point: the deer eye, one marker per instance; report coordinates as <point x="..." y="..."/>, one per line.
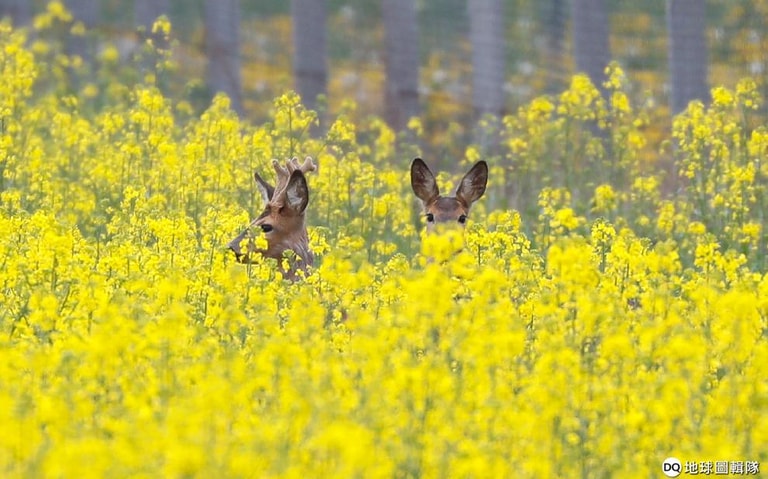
<point x="266" y="228"/>
<point x="430" y="217"/>
<point x="463" y="219"/>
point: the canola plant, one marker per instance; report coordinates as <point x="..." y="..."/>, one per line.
<point x="594" y="330"/>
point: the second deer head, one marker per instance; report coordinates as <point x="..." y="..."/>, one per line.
<point x="282" y="221"/>
<point x="447" y="209"/>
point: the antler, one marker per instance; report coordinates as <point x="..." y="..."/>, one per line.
<point x="284" y="174"/>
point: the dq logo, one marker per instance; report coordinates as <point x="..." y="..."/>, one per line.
<point x="671" y="467"/>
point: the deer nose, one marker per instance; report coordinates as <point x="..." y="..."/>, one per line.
<point x="236" y="250"/>
<point x="234" y="245"/>
<point x="240" y="257"/>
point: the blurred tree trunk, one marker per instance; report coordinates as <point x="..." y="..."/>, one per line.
<point x="554" y="14"/>
<point x="145" y="14"/>
<point x="19" y="11"/>
<point x="486" y="34"/>
<point x="686" y="26"/>
<point x="87" y="13"/>
<point x="401" y="35"/>
<point x="222" y="45"/>
<point x="310" y="67"/>
<point x="591" y="48"/>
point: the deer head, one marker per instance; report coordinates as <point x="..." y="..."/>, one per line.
<point x="282" y="221"/>
<point x="447" y="209"/>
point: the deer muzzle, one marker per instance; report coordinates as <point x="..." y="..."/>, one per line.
<point x="234" y="245"/>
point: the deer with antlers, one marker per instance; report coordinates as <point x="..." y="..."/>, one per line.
<point x="447" y="209"/>
<point x="282" y="221"/>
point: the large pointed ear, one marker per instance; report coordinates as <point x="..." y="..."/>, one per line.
<point x="265" y="188"/>
<point x="297" y="193"/>
<point x="423" y="182"/>
<point x="472" y="186"/>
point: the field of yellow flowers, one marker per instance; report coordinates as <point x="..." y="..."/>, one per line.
<point x="590" y="326"/>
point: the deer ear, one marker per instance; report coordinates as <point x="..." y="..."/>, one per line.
<point x="472" y="186"/>
<point x="297" y="193"/>
<point x="265" y="188"/>
<point x="423" y="182"/>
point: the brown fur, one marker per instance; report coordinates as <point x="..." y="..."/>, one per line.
<point x="282" y="221"/>
<point x="447" y="209"/>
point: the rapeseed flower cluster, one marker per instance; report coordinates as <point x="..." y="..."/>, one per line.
<point x="567" y="345"/>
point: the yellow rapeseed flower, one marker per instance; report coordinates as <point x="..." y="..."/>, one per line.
<point x="134" y="344"/>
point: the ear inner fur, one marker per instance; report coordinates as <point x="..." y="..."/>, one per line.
<point x="266" y="190"/>
<point x="472" y="185"/>
<point x="297" y="193"/>
<point x="423" y="182"/>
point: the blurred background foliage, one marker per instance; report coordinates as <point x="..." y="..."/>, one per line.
<point x="537" y="42"/>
